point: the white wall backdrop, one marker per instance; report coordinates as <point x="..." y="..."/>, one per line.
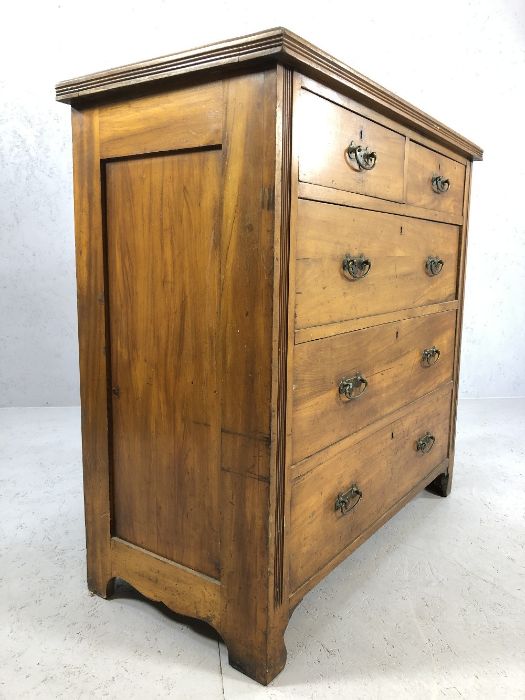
<point x="461" y="61"/>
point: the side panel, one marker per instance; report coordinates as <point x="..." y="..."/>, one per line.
<point x="163" y="273"/>
<point x="184" y="288"/>
<point x="148" y="270"/>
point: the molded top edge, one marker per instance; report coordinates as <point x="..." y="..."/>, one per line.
<point x="278" y="45"/>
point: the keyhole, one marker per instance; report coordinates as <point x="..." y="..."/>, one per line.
<point x="361" y="134"/>
<point x="392" y="436"/>
<point x="397" y="335"/>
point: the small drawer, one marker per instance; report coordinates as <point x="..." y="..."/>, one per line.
<point x="348" y="381"/>
<point x="335" y="502"/>
<point x="397" y="249"/>
<point x="332" y="150"/>
<point x="434" y="181"/>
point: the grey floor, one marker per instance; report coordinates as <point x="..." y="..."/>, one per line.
<point x="432" y="606"/>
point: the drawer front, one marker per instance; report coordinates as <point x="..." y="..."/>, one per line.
<point x="390" y="358"/>
<point x="384" y="467"/>
<point x="326" y="130"/>
<point x="398" y="249"/>
<point x="423" y="166"/>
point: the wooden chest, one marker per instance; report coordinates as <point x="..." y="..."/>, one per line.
<point x="270" y="263"/>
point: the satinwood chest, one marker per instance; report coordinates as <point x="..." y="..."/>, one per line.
<point x="270" y="264"/>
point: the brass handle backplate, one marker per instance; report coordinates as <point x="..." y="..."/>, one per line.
<point x="352" y="387"/>
<point x="434" y="265"/>
<point x="430" y="356"/>
<point x="425" y="443"/>
<point x="363" y="156"/>
<point x="355" y="267"/>
<point x="440" y="184"/>
<point x="343" y="500"/>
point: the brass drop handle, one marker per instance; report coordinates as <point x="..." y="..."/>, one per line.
<point x="343" y="500"/>
<point x="364" y="157"/>
<point x="430" y="356"/>
<point x="352" y="387"/>
<point x="425" y="443"/>
<point x="440" y="184"/>
<point x="434" y="265"/>
<point x="355" y="267"/>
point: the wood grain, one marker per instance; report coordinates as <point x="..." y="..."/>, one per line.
<point x="248" y="625"/>
<point x="178" y="587"/>
<point x="185" y="118"/>
<point x="163" y="253"/>
<point x="385" y="467"/>
<point x="388" y="356"/>
<point x="397" y="247"/>
<point x="423" y="163"/>
<point x="325" y="130"/>
<point x="91" y="298"/>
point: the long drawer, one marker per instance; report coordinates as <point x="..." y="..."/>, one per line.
<point x="393" y="368"/>
<point x="334" y="503"/>
<point x="397" y="249"/>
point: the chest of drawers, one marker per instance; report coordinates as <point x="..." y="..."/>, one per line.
<point x="270" y="266"/>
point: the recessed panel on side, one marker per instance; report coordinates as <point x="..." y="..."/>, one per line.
<point x="163" y="278"/>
